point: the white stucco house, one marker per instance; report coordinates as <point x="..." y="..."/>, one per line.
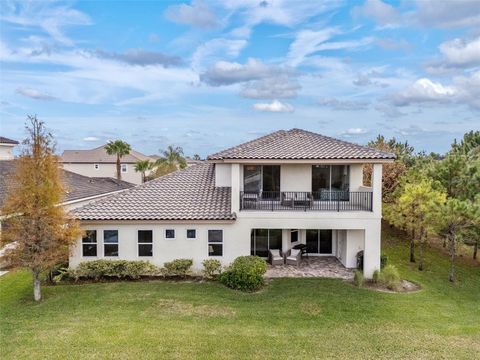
<point x="97" y="163"/>
<point x="284" y="189"/>
<point x="6" y="148"/>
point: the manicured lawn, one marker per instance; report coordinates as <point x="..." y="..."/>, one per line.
<point x="291" y="318"/>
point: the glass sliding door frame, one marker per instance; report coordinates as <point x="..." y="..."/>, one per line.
<point x="319" y="241"/>
<point x="329" y="190"/>
<point x="262" y="240"/>
<point x="262" y="179"/>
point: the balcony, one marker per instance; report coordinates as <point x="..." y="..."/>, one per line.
<point x="306" y="201"/>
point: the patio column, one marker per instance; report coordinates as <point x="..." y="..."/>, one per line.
<point x="285" y="240"/>
<point x="377" y="189"/>
<point x="235" y="188"/>
<point x="371" y="254"/>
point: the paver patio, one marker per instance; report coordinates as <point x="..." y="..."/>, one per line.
<point x="318" y="266"/>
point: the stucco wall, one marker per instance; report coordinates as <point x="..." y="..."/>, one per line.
<point x="105" y="170"/>
<point x="223" y="175"/>
<point x="296" y="177"/>
<point x="6" y="152"/>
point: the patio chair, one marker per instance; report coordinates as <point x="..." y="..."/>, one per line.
<point x="275" y="257"/>
<point x="293" y="257"/>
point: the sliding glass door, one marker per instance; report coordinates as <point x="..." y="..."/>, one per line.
<point x="263" y="240"/>
<point x="319" y="242"/>
<point x="330" y="182"/>
<point x="262" y="179"/>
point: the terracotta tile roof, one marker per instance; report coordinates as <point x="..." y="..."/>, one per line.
<point x="188" y="194"/>
<point x="4" y="140"/>
<point x="297" y="144"/>
<point x="78" y="186"/>
<point x="99" y="155"/>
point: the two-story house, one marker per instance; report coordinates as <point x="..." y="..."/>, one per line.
<point x="97" y="163"/>
<point x="287" y="188"/>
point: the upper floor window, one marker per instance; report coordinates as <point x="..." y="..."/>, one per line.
<point x="89" y="243"/>
<point x="261" y="178"/>
<point x="145" y="243"/>
<point x="124" y="168"/>
<point x="96" y="166"/>
<point x="110" y="242"/>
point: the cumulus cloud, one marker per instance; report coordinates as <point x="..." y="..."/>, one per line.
<point x="424" y="91"/>
<point x="448" y="14"/>
<point x="274" y="106"/>
<point x="342" y="105"/>
<point x="34" y="94"/>
<point x="141" y="57"/>
<point x="227" y="73"/>
<point x="383" y="14"/>
<point x="461" y="52"/>
<point x="275" y="87"/>
<point x="198" y="15"/>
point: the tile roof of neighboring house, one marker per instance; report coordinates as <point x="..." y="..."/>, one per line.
<point x="78" y="186"/>
<point x="99" y="155"/>
<point x="4" y="140"/>
<point x="188" y="194"/>
<point x="297" y="144"/>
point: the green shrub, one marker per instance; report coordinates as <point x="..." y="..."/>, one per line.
<point x="178" y="268"/>
<point x="211" y="268"/>
<point x="376" y="277"/>
<point x="358" y="278"/>
<point x="245" y="273"/>
<point x="383" y="261"/>
<point x="121" y="269"/>
<point x="390" y="277"/>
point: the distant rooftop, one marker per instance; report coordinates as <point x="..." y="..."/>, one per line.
<point x="297" y="144"/>
<point x="99" y="155"/>
<point x="4" y="140"/>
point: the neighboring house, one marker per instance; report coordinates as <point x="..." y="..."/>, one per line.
<point x="97" y="163"/>
<point x="6" y="148"/>
<point x="80" y="190"/>
<point x="284" y="189"/>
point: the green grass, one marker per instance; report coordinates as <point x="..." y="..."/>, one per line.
<point x="291" y="318"/>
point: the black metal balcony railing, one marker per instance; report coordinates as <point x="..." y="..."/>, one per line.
<point x="306" y="201"/>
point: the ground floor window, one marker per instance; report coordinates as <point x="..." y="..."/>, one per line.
<point x="110" y="242"/>
<point x="145" y="243"/>
<point x="215" y="242"/>
<point x="89" y="243"/>
<point x="319" y="241"/>
<point x="263" y="240"/>
<point x="170" y="234"/>
<point x="191" y="234"/>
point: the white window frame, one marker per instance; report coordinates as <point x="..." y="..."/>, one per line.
<point x="174" y="234"/>
<point x="145" y="243"/>
<point x="186" y="234"/>
<point x="216" y="243"/>
<point x="91" y="243"/>
<point x="96" y="166"/>
<point x="109" y="243"/>
<point x="124" y="168"/>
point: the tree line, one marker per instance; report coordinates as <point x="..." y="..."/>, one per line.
<point x="432" y="196"/>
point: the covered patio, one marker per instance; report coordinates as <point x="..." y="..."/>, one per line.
<point x="313" y="266"/>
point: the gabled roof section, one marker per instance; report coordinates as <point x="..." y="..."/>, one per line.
<point x="77" y="186"/>
<point x="99" y="155"/>
<point x="4" y="140"/>
<point x="188" y="194"/>
<point x="297" y="144"/>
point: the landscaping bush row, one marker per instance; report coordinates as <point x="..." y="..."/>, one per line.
<point x="388" y="277"/>
<point x="245" y="273"/>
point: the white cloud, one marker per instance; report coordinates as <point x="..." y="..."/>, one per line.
<point x="306" y="42"/>
<point x="141" y="57"/>
<point x="448" y="14"/>
<point x="198" y="15"/>
<point x="342" y="105"/>
<point x="91" y="138"/>
<point x="384" y="14"/>
<point x="275" y="87"/>
<point x="215" y="50"/>
<point x="461" y="52"/>
<point x="274" y="106"/>
<point x="50" y="17"/>
<point x="355" y="131"/>
<point x="424" y="91"/>
<point x="34" y="94"/>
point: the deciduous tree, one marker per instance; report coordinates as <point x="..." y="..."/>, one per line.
<point x="39" y="230"/>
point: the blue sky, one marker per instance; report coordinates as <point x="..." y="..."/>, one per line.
<point x="206" y="75"/>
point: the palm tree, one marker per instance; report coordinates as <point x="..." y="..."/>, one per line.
<point x="143" y="166"/>
<point x="119" y="148"/>
<point x="173" y="157"/>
